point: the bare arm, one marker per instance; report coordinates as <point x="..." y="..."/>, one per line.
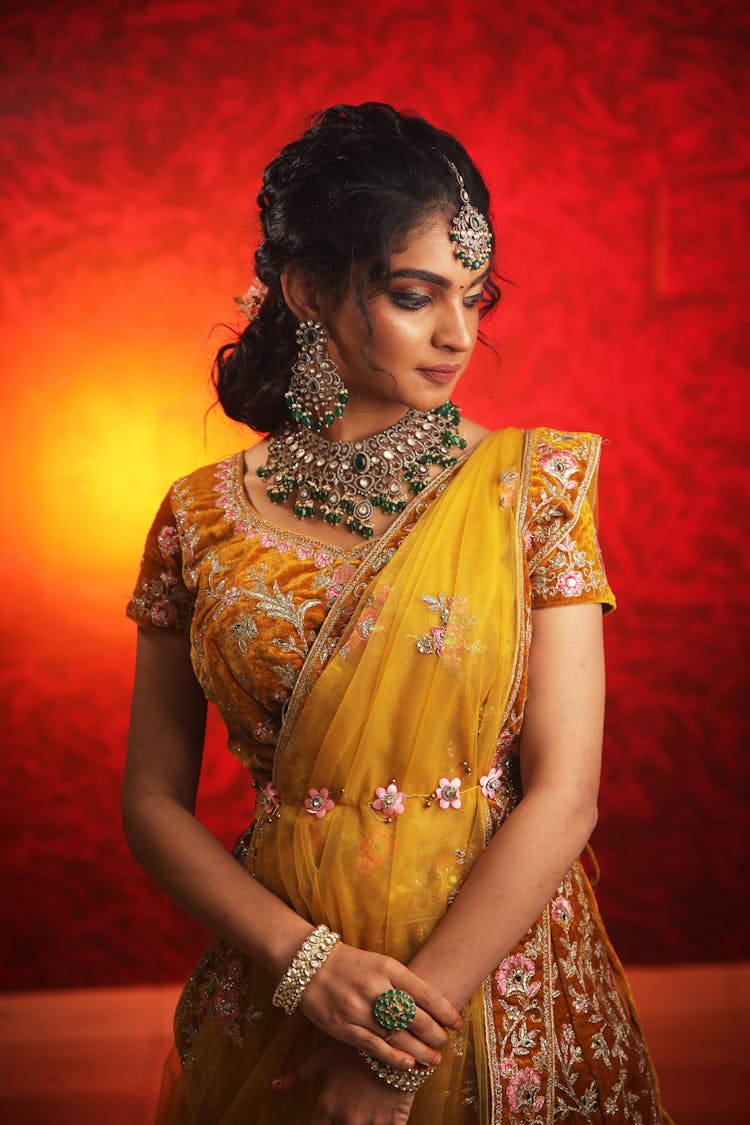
<point x="560" y="762"/>
<point x="161" y="779"/>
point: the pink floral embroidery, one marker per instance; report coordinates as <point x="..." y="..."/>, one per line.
<point x="367" y="622"/>
<point x="448" y="793"/>
<point x="318" y="802"/>
<point x="389" y="799"/>
<point x="449" y="639"/>
<point x="570" y="583"/>
<point x="270" y="798"/>
<point x="223" y="1002"/>
<point x="337" y="581"/>
<point x="559" y="463"/>
<point x="169" y="541"/>
<point x="491" y="782"/>
<point x="508" y="490"/>
<point x="266" y="731"/>
<point x="562" y="912"/>
<point x="437" y="633"/>
<point x="507" y="742"/>
<point x="523" y="1090"/>
<point x="322" y="558"/>
<point x="163" y="613"/>
<point x="514" y="975"/>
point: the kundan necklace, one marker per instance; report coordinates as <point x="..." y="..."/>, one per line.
<point x="349" y="479"/>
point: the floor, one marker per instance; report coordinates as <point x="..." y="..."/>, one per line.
<point x="94" y="1057"/>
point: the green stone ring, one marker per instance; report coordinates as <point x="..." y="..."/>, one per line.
<point x="395" y="1010"/>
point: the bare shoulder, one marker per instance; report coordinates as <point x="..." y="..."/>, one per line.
<point x="473" y="432"/>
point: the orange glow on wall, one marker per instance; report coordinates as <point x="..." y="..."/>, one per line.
<point x="132" y="141"/>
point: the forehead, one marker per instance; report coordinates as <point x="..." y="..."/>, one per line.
<point x="428" y="248"/>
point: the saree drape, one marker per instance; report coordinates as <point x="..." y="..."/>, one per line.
<point x="407" y="682"/>
<point x="415" y="679"/>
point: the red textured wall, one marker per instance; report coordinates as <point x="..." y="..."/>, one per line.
<point x="132" y="137"/>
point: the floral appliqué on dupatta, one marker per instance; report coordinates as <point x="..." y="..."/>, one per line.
<point x="366" y="623"/>
<point x="449" y="638"/>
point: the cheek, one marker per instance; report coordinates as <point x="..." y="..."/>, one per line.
<point x="397" y="335"/>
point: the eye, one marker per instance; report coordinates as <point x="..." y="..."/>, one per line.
<point x="473" y="299"/>
<point x="409" y="298"/>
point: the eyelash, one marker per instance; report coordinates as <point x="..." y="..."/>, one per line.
<point x="405" y="299"/>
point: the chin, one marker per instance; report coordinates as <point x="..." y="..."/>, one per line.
<point x="432" y="395"/>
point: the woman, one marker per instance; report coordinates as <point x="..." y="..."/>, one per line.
<point x="405" y="933"/>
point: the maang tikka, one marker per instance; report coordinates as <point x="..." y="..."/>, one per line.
<point x="316" y="395"/>
<point x="470" y="232"/>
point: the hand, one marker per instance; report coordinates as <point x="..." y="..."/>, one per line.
<point x="339" y="1001"/>
<point x="351" y="1093"/>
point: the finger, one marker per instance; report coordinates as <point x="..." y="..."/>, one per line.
<point x="423" y="1027"/>
<point x="376" y="1046"/>
<point x="428" y="998"/>
<point x="296" y="1076"/>
<point x="408" y="1043"/>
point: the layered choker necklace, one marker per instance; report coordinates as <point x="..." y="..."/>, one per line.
<point x="348" y="480"/>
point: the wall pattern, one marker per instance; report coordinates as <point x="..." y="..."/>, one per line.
<point x="132" y="137"/>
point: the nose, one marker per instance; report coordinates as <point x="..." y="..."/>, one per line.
<point x="455" y="329"/>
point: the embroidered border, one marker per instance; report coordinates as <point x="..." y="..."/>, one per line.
<point x="323" y="646"/>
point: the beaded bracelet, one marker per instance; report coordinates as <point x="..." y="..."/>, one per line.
<point x="396" y="1076"/>
<point x="310" y="956"/>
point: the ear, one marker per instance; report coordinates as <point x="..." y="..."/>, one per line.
<point x="300" y="294"/>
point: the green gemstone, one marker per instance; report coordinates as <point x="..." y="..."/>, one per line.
<point x="338" y="411"/>
<point x="360" y="461"/>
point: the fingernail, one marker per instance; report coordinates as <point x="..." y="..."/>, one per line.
<point x="407" y="1064"/>
<point x="458" y="1025"/>
<point x="436" y="1060"/>
<point x="275" y="1083"/>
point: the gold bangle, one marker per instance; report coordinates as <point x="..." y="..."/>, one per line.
<point x="396" y="1076"/>
<point x="305" y="964"/>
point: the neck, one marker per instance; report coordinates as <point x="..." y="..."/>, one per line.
<point x="362" y="421"/>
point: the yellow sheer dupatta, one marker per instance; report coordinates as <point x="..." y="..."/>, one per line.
<point x="414" y="692"/>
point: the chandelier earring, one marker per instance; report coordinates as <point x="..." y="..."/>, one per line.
<point x="316" y="395"/>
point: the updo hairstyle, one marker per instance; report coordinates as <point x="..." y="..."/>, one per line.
<point x="346" y="194"/>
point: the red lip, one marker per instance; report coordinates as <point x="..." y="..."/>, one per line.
<point x="443" y="373"/>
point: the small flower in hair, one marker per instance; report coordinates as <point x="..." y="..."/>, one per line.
<point x="249" y="303"/>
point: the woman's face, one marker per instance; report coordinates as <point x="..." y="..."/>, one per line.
<point x="424" y="328"/>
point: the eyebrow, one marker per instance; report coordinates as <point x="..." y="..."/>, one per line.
<point x="436" y="278"/>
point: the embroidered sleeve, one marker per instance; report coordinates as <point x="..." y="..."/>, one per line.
<point x="161" y="600"/>
<point x="562" y="546"/>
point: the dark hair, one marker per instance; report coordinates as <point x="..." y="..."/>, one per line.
<point x="343" y="195"/>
